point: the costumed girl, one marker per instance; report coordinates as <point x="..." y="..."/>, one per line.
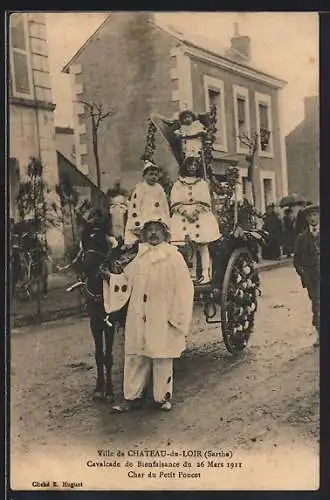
<point x="190" y="132"/>
<point x="192" y="218"/>
<point x="148" y="201"/>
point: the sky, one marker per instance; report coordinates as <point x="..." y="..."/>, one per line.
<point x="283" y="44"/>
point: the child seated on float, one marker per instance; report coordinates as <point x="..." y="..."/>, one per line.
<point x="190" y="132"/>
<point x="148" y="201"/>
<point x="192" y="218"/>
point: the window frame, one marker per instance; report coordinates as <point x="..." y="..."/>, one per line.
<point x="267" y="174"/>
<point x="212" y="83"/>
<point x="27" y="54"/>
<point x="243" y="173"/>
<point x="239" y="91"/>
<point x="265" y="99"/>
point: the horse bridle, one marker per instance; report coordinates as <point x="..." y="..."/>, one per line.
<point x="94" y="296"/>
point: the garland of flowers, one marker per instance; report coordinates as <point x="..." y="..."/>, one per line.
<point x="208" y="141"/>
<point x="149" y="153"/>
<point x="150" y="145"/>
<point x="242" y="294"/>
<point x="226" y="212"/>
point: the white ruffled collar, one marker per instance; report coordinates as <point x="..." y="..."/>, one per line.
<point x="189" y="180"/>
<point x="155" y="252"/>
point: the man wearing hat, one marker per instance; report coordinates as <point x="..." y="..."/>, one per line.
<point x="301" y="222"/>
<point x="307" y="260"/>
<point x="158" y="316"/>
<point x="148" y="200"/>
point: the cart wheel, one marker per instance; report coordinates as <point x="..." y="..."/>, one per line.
<point x="239" y="300"/>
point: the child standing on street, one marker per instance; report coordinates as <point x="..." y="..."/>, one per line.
<point x="306" y="261"/>
<point x="148" y="201"/>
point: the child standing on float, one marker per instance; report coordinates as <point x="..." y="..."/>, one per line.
<point x="191" y="133"/>
<point x="192" y="217"/>
<point x="148" y="201"/>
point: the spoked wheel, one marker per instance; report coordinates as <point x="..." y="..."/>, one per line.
<point x="239" y="300"/>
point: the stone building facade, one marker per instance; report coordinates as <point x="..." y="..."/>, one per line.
<point x="31" y="107"/>
<point x="303" y="150"/>
<point x="136" y="65"/>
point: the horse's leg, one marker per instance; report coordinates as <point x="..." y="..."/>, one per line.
<point x="96" y="324"/>
<point x="109" y="334"/>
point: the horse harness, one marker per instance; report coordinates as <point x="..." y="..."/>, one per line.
<point x="85" y="290"/>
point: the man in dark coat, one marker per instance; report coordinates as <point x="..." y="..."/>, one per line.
<point x="273" y="225"/>
<point x="307" y="261"/>
<point x="288" y="232"/>
<point x="301" y="221"/>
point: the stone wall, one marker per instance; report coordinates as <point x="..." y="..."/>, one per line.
<point x="126" y="66"/>
<point x="31" y="119"/>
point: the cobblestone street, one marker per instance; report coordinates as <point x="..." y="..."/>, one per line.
<point x="263" y="405"/>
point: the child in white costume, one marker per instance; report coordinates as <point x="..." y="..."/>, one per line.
<point x="148" y="201"/>
<point x="192" y="217"/>
<point x="190" y="132"/>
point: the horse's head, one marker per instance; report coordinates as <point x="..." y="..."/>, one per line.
<point x="118" y="214"/>
<point x="96" y="245"/>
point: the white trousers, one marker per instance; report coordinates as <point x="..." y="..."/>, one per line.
<point x="136" y="374"/>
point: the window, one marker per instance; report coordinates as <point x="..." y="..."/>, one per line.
<point x="264" y="124"/>
<point x="267" y="184"/>
<point x="215" y="96"/>
<point x="242" y="118"/>
<point x="268" y="190"/>
<point x="242" y="186"/>
<point x="21" y="72"/>
<point x="245" y="186"/>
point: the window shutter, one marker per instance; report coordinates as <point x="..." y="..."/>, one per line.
<point x="215" y="100"/>
<point x="241" y="110"/>
<point x="20" y="63"/>
<point x="263" y="116"/>
<point x="18" y="40"/>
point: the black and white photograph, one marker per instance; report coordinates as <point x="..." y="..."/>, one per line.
<point x="163" y="253"/>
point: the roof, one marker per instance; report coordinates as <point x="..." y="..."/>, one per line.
<point x="77" y="171"/>
<point x="213" y="47"/>
<point x="204" y="44"/>
<point x="65" y="69"/>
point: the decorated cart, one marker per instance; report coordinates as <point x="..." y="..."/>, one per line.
<point x="230" y="298"/>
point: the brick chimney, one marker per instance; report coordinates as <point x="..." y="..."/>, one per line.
<point x="241" y="43"/>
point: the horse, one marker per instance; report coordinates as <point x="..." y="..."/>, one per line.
<point x="94" y="262"/>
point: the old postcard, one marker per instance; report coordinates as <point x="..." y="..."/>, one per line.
<point x="164" y="223"/>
